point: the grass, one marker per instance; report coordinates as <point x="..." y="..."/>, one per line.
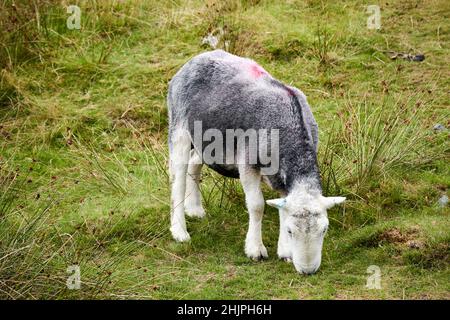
<point x="83" y="157"/>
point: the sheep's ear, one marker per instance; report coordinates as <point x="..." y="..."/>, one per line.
<point x="332" y="201"/>
<point x="277" y="203"/>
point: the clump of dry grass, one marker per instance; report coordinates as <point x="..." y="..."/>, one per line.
<point x="23" y="37"/>
<point x="22" y="264"/>
<point x="24" y="25"/>
<point x="322" y="47"/>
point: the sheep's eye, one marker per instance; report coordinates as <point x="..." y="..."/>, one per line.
<point x="289" y="232"/>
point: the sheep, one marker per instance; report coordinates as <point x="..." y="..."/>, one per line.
<point x="219" y="91"/>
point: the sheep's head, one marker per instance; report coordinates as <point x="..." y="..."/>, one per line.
<point x="304" y="223"/>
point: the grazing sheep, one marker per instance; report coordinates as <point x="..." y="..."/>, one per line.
<point x="217" y="91"/>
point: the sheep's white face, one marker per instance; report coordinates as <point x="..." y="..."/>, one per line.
<point x="303" y="224"/>
<point x="306" y="231"/>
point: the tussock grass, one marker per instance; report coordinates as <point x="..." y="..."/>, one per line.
<point x="377" y="137"/>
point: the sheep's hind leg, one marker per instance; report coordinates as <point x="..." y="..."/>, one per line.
<point x="193" y="200"/>
<point x="179" y="159"/>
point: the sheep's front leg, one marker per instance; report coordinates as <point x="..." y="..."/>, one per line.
<point x="284" y="251"/>
<point x="251" y="182"/>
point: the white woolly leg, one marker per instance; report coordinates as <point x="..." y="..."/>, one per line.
<point x="251" y="182"/>
<point x="179" y="158"/>
<point x="193" y="200"/>
<point x="284" y="250"/>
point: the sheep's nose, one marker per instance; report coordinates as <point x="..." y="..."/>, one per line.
<point x="308" y="270"/>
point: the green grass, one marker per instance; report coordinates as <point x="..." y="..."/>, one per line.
<point x="83" y="157"/>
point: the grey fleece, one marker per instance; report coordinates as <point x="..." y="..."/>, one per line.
<point x="225" y="91"/>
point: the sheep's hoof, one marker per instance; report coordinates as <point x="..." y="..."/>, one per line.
<point x="286" y="259"/>
<point x="259" y="258"/>
<point x="180" y="235"/>
<point x="256" y="253"/>
<point x="196" y="212"/>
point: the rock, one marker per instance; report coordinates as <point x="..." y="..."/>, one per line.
<point x="438" y="127"/>
<point x="414" y="244"/>
<point x="406" y="56"/>
<point x="211" y="40"/>
<point x="418" y="57"/>
<point x="443" y="201"/>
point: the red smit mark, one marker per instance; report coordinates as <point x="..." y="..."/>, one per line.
<point x="257" y="71"/>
